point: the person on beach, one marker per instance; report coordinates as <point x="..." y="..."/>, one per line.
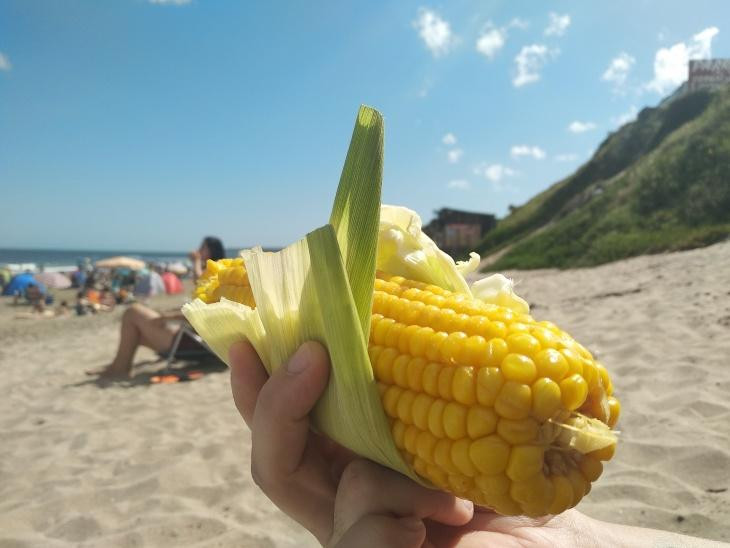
<point x="346" y="501"/>
<point x="143" y="326"/>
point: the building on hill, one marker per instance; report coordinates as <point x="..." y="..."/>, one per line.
<point x="458" y="232"/>
<point x="708" y="74"/>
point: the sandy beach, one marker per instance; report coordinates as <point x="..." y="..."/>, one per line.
<point x="138" y="464"/>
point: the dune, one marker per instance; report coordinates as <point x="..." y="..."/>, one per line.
<point x="168" y="465"/>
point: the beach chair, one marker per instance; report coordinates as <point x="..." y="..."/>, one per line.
<point x="200" y="352"/>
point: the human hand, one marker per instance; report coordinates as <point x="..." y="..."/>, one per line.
<point x="194" y="255"/>
<point x="342" y="500"/>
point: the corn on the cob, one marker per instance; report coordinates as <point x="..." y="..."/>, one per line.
<point x="484" y="402"/>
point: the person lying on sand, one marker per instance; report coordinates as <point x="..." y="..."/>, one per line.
<point x="142" y="326"/>
<point x="346" y="501"/>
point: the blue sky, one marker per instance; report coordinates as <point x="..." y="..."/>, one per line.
<point x="133" y="124"/>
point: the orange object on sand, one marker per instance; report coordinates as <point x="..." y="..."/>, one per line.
<point x="176" y="377"/>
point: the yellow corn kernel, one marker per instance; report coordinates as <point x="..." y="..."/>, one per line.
<point x="433" y="350"/>
<point x="398" y="429"/>
<point x="519" y="431"/>
<point x="405" y="402"/>
<point x="497" y="484"/>
<point x="446" y="376"/>
<point x="546" y="398"/>
<point x="460" y="456"/>
<point x="575" y="363"/>
<point x="414" y="374"/>
<point x="419" y="341"/>
<point x="420" y="409"/>
<point x="604" y="454"/>
<point x="523" y="343"/>
<point x="425" y="443"/>
<point x="563" y="498"/>
<point x="464" y="385"/>
<point x="490" y="454"/>
<point x="480" y="421"/>
<point x="475" y="351"/>
<point x="390" y="400"/>
<point x="399" y="370"/>
<point x="489" y="383"/>
<point x="431" y="378"/>
<point x="409" y="439"/>
<point x="614" y="407"/>
<point x="591" y="468"/>
<point x="514" y="401"/>
<point x="454" y="417"/>
<point x="525" y="461"/>
<point x="435" y="418"/>
<point x="574" y="391"/>
<point x="552" y="364"/>
<point x="442" y="456"/>
<point x="518" y="368"/>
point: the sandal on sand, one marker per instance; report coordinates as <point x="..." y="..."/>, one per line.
<point x="176" y="377"/>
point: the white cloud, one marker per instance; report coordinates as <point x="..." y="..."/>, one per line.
<point x="670" y="64"/>
<point x="570" y="157"/>
<point x="558" y="24"/>
<point x="434" y="31"/>
<point x="626" y="117"/>
<point x="5" y="62"/>
<point x="581" y="127"/>
<point x="449" y="139"/>
<point x="170" y="2"/>
<point x="459" y="184"/>
<point x="519" y="151"/>
<point x="491" y="41"/>
<point x="494" y="172"/>
<point x="618" y="70"/>
<point x="529" y="61"/>
<point x="455" y="155"/>
<point x="519" y="23"/>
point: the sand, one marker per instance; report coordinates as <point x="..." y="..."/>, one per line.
<point x="152" y="465"/>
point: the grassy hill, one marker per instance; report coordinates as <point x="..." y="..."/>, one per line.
<point x="659" y="183"/>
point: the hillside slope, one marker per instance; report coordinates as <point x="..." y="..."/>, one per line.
<point x="659" y="183"/>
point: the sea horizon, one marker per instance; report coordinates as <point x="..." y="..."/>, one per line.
<point x="71" y="257"/>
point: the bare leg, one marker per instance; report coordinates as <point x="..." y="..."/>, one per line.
<point x="140" y="326"/>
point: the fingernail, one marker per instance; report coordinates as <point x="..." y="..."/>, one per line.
<point x="412" y="524"/>
<point x="299" y="361"/>
<point x="469" y="505"/>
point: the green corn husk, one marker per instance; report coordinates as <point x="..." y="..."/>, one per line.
<point x="320" y="288"/>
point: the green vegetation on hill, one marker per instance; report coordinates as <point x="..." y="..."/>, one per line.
<point x="659" y="183"/>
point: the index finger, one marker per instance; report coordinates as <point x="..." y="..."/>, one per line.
<point x="248" y="376"/>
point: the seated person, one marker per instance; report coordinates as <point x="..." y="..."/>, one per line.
<point x="143" y="326"/>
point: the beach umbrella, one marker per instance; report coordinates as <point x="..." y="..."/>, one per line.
<point x="55" y="280"/>
<point x="177" y="268"/>
<point x="120" y="262"/>
<point x="20" y="283"/>
<point x="173" y="285"/>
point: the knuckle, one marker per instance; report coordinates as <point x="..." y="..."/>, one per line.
<point x="261" y="478"/>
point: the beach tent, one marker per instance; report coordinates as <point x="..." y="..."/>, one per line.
<point x="20" y="283"/>
<point x="149" y="283"/>
<point x="55" y="280"/>
<point x="173" y="285"/>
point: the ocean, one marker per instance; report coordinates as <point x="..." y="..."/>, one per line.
<point x="52" y="258"/>
<point x="71" y="257"/>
